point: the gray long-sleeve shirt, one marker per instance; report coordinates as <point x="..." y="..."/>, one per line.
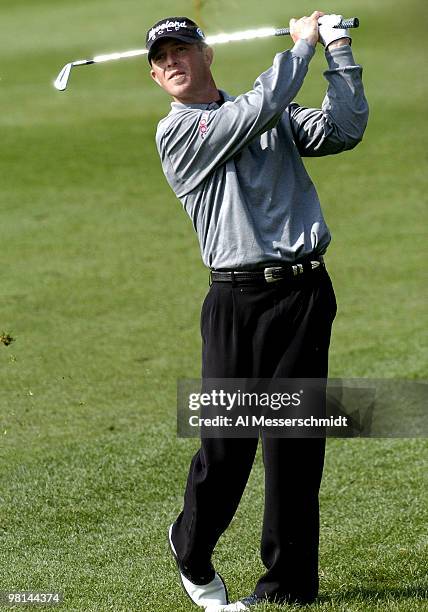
<point x="237" y="167"/>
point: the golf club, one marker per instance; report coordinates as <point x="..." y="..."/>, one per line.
<point x="62" y="79"/>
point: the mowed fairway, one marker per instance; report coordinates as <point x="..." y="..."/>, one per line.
<point x="101" y="285"/>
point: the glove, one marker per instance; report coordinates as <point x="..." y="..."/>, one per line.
<point x="327" y="32"/>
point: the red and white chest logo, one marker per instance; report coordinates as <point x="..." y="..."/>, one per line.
<point x="203" y="125"/>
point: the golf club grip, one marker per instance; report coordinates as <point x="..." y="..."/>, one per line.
<point x="352" y="22"/>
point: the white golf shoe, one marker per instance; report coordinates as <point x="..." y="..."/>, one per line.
<point x="238" y="606"/>
<point x="211" y="596"/>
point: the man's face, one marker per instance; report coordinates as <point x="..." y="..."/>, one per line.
<point x="181" y="69"/>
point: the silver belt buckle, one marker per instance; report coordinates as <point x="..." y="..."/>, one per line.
<point x="270" y="274"/>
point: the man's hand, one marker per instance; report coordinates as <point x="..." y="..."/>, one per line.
<point x="306" y="28"/>
<point x="331" y="36"/>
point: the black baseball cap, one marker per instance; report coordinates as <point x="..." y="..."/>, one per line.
<point x="182" y="28"/>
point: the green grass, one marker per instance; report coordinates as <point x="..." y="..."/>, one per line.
<point x="101" y="285"/>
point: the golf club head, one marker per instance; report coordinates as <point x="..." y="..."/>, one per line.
<point x="61" y="81"/>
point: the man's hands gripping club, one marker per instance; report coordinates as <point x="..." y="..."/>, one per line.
<point x="319" y="27"/>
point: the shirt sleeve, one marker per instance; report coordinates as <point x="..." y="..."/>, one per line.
<point x="340" y="124"/>
<point x="193" y="142"/>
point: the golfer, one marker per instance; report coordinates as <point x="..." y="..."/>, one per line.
<point x="235" y="164"/>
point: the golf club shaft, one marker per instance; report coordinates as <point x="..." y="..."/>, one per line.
<point x="62" y="79"/>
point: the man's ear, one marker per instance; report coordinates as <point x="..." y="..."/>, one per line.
<point x="209" y="55"/>
<point x="154" y="76"/>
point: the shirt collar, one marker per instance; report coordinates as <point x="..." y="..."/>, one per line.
<point x="176" y="106"/>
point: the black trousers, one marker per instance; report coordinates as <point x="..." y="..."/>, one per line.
<point x="278" y="330"/>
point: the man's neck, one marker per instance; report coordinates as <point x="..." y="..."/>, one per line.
<point x="211" y="94"/>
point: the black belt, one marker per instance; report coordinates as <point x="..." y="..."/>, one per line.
<point x="270" y="274"/>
